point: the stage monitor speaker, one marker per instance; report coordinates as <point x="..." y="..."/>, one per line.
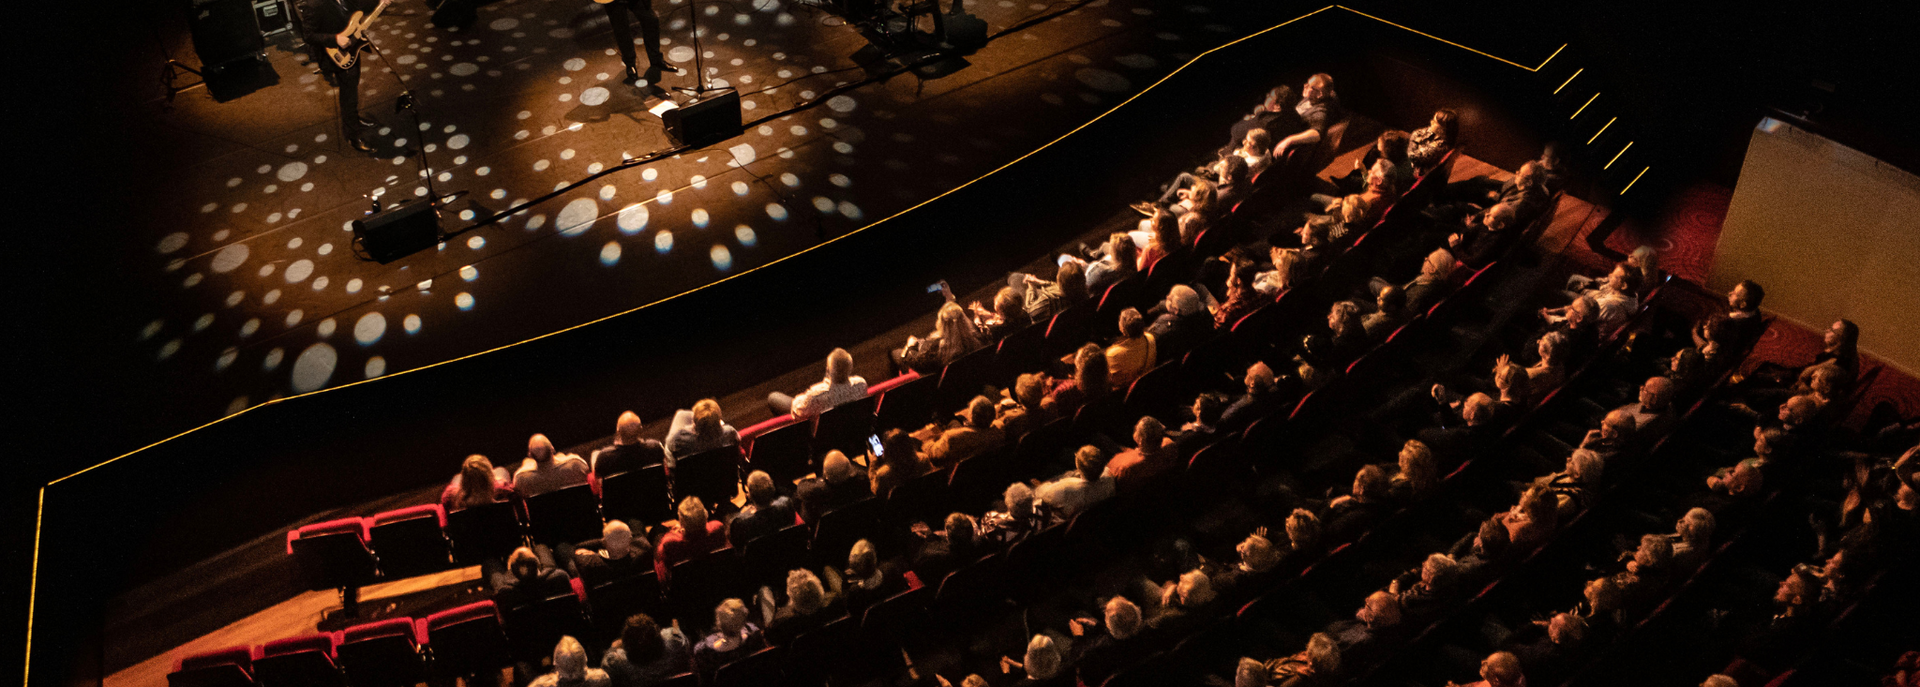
<point x="224" y="31"/>
<point x="965" y="31"/>
<point x="398" y="231"/>
<point x="713" y="117"/>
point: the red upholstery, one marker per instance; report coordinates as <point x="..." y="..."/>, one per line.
<point x="477" y="609"/>
<point x="410" y="513"/>
<point x="768" y="425"/>
<point x="391" y="627"/>
<point x="579" y="589"/>
<point x="234" y="655"/>
<point x="324" y="642"/>
<point x="885" y="386"/>
<point x="358" y="526"/>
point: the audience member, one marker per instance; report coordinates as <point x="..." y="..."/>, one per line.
<point x="1044" y="299"/>
<point x="1008" y="315"/>
<point x="1419" y="475"/>
<point x="1573" y="486"/>
<point x="1100" y="649"/>
<point x="1042" y="664"/>
<point x="1547" y="375"/>
<point x="897" y="461"/>
<point x="1389" y="314"/>
<point x="766" y="511"/>
<point x="1424" y="592"/>
<point x="866" y="580"/>
<point x="629" y="451"/>
<point x="1015" y="519"/>
<point x="1183" y="603"/>
<point x="570" y="668"/>
<point x="1262" y="398"/>
<point x="1485" y="236"/>
<point x="1182" y="323"/>
<point x="1739" y="325"/>
<point x="1427" y="145"/>
<point x="693" y="535"/>
<point x="529" y="577"/>
<point x="733" y="638"/>
<point x="1366" y="503"/>
<point x="1274" y="115"/>
<point x="545" y="471"/>
<point x="972" y="435"/>
<point x="1286" y="272"/>
<point x="1500" y="669"/>
<point x="699" y="430"/>
<point x="1531" y="520"/>
<point x="810" y="605"/>
<point x="942" y="552"/>
<point x="1692" y="539"/>
<point x="489" y="485"/>
<point x="1316" y="666"/>
<point x="1257" y="150"/>
<point x="1089" y="382"/>
<point x="1133" y="353"/>
<point x="646" y="654"/>
<point x="1319" y="108"/>
<point x="845" y="482"/>
<point x="1088" y="483"/>
<point x="840" y="386"/>
<point x="1118" y="259"/>
<point x="1151" y="457"/>
<point x="617" y="554"/>
<point x="953" y="336"/>
<point x="1242" y="298"/>
<point x="1433" y="283"/>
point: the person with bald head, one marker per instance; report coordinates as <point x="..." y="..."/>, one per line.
<point x="1616" y="431"/>
<point x="545" y="470"/>
<point x="629" y="451"/>
<point x="1653" y="415"/>
<point x="1485" y="235"/>
<point x="1264" y="397"/>
<point x="617" y="554"/>
<point x="1501" y="669"/>
<point x="1476" y="428"/>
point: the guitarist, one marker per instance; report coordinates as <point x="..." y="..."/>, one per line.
<point x="323" y="25"/>
<point x="617" y="11"/>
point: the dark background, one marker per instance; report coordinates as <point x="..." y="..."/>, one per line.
<point x="1691" y="82"/>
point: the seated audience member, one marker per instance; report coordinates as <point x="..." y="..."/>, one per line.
<point x="1532" y="520"/>
<point x="766" y="511"/>
<point x="544" y="471"/>
<point x="1553" y="166"/>
<point x="1613" y="295"/>
<point x="1391" y="146"/>
<point x="1375" y="624"/>
<point x="1389" y="314"/>
<point x="840" y="386"/>
<point x="810" y="605"/>
<point x="1089" y="382"/>
<point x="646" y="654"/>
<point x="692" y="536"/>
<point x="1133" y="354"/>
<point x="1476" y="429"/>
<point x="970" y="436"/>
<point x="699" y="430"/>
<point x="1257" y="150"/>
<point x="1510" y="381"/>
<point x="866" y="580"/>
<point x="629" y="451"/>
<point x="1182" y="322"/>
<point x="1230" y="185"/>
<point x="1100" y="648"/>
<point x="1117" y="259"/>
<point x="1044" y="299"/>
<point x="1549" y="656"/>
<point x="1424" y="592"/>
<point x="1434" y="282"/>
<point x="1547" y="375"/>
<point x="1356" y="214"/>
<point x="1348" y="516"/>
<point x="1263" y="398"/>
<point x="1316" y="250"/>
<point x="615" y="555"/>
<point x="953" y="336"/>
<point x="1316" y="666"/>
<point x="1526" y="192"/>
<point x="1501" y="669"/>
<point x="1419" y="475"/>
<point x="1319" y="108"/>
<point x="1088" y="483"/>
<point x="1647" y="573"/>
<point x="1008" y="315"/>
<point x="1349" y="336"/>
<point x="733" y="638"/>
<point x="1478" y="560"/>
<point x="1485" y="236"/>
<point x="1745" y="480"/>
<point x="897" y="462"/>
<point x="1725" y="681"/>
<point x="1692" y="540"/>
<point x="1615" y="433"/>
<point x="1285" y="273"/>
<point x="1159" y="234"/>
<point x="1303" y="536"/>
<point x="942" y="552"/>
<point x="1151" y="457"/>
<point x="846" y="482"/>
<point x="1653" y="415"/>
<point x="1204" y="429"/>
<point x="1183" y="604"/>
<point x="1042" y="664"/>
<point x="1601" y="608"/>
<point x="570" y="668"/>
<point x="1428" y="144"/>
<point x="1274" y="115"/>
<point x="488" y="485"/>
<point x="1573" y="486"/>
<point x="1258" y="560"/>
<point x="1242" y="298"/>
<point x="1739" y="325"/>
<point x="529" y="577"/>
<point x="1015" y="519"/>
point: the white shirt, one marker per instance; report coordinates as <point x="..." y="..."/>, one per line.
<point x="826" y="394"/>
<point x="1615" y="307"/>
<point x="564" y="471"/>
<point x="1071" y="495"/>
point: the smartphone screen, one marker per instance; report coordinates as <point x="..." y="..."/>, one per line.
<point x="933" y="288"/>
<point x="873" y="442"/>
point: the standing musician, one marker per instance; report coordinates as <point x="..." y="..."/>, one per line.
<point x="617" y="11"/>
<point x="323" y="25"/>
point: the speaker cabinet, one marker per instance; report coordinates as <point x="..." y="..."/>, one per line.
<point x="714" y="117"/>
<point x="224" y="31"/>
<point x="398" y="231"/>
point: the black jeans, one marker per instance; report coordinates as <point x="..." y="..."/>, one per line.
<point x="623" y="30"/>
<point x="349" y="82"/>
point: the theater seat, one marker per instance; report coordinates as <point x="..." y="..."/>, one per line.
<point x="333" y="554"/>
<point x="768" y="558"/>
<point x="466" y="640"/>
<point x="962" y="380"/>
<point x="780" y="447"/>
<point x="906" y="406"/>
<point x="845" y="427"/>
<point x="534" y="628"/>
<point x="411" y="541"/>
<point x="613" y="601"/>
<point x="753" y="670"/>
<point x="382" y="654"/>
<point x="229" y="667"/>
<point x="301" y="661"/>
<point x="714" y="475"/>
<point x="637" y="496"/>
<point x="564" y="515"/>
<point x="481" y="533"/>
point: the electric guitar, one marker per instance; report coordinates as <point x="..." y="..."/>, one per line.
<point x="347" y="57"/>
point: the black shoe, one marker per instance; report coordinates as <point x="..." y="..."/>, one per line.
<point x="633" y="76"/>
<point x="353" y="140"/>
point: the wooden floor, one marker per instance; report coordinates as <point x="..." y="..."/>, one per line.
<point x="306" y="612"/>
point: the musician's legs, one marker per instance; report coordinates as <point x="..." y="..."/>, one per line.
<point x="649" y="32"/>
<point x="349" y="82"/>
<point x="622" y="32"/>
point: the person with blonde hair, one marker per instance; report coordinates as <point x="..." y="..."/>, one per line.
<point x="530" y="575"/>
<point x="840" y="386"/>
<point x="1285" y="273"/>
<point x="1419" y="475"/>
<point x="698" y="430"/>
<point x="479" y="483"/>
<point x="1007" y="316"/>
<point x="544" y="470"/>
<point x="1088" y="483"/>
<point x="693" y="535"/>
<point x="1317" y="664"/>
<point x="734" y="637"/>
<point x="1044" y="299"/>
<point x="1151" y="456"/>
<point x="629" y="451"/>
<point x="1531" y="520"/>
<point x="570" y="668"/>
<point x="953" y="336"/>
<point x="866" y="580"/>
<point x="1115" y="260"/>
<point x="1258" y="559"/>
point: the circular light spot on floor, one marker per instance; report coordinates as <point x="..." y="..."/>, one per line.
<point x="1102" y="80"/>
<point x="326" y="327"/>
<point x="266" y="270"/>
<point x="841" y="104"/>
<point x="721" y="257"/>
<point x="828" y="123"/>
<point x="458" y="141"/>
<point x="608" y="191"/>
<point x="740" y="188"/>
<point x="223" y="233"/>
<point x="843" y="147"/>
<point x="273" y="359"/>
<point x="797" y="130"/>
<point x="699" y="182"/>
<point x="411" y="324"/>
<point x="226" y="359"/>
<point x="205" y="321"/>
<point x="314" y="367"/>
<point x="320" y="283"/>
<point x="664" y="197"/>
<point x="577" y="217"/>
<point x="172" y="242"/>
<point x="1137" y="61"/>
<point x="790" y="179"/>
<point x="610" y="253"/>
<point x="376" y="366"/>
<point x="574" y="65"/>
<point x="700" y="217"/>
<point x="370" y="328"/>
<point x="209" y="207"/>
<point x="850" y="211"/>
<point x="230" y="258"/>
<point x="743" y="154"/>
<point x="680" y="53"/>
<point x="299" y="271"/>
<point x="169" y="348"/>
<point x="292" y="171"/>
<point x="353" y="285"/>
<point x="663" y="241"/>
<point x="233" y="182"/>
<point x="823" y="203"/>
<point x="542" y="165"/>
<point x="295" y="242"/>
<point x="839" y="180"/>
<point x="504" y="24"/>
<point x="469" y="273"/>
<point x="595" y="96"/>
<point x="536" y="221"/>
<point x="633" y="218"/>
<point x="477" y="243"/>
<point x="649" y="174"/>
<point x="234" y="298"/>
<point x="777" y="211"/>
<point x="293" y="318"/>
<point x="249" y="327"/>
<point x="464" y="69"/>
<point x="463" y="301"/>
<point x="483" y="171"/>
<point x="271" y="297"/>
<point x="745" y="235"/>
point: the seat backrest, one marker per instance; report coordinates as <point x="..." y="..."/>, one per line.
<point x="698" y="584"/>
<point x="920" y="498"/>
<point x="1157" y="390"/>
<point x="615" y="600"/>
<point x="467" y="639"/>
<point x="906" y="406"/>
<point x="229" y="667"/>
<point x="753" y="670"/>
<point x="714" y="475"/>
<point x="382" y="653"/>
<point x="841" y="527"/>
<point x="333" y="554"/>
<point x="962" y="380"/>
<point x="571" y="514"/>
<point x="302" y="661"/>
<point x="484" y="532"/>
<point x="534" y="628"/>
<point x="411" y="541"/>
<point x="1068" y="329"/>
<point x="1021" y="351"/>
<point x="769" y="557"/>
<point x="638" y="495"/>
<point x="783" y="451"/>
<point x="845" y="427"/>
<point x="961" y="592"/>
<point x="981" y="476"/>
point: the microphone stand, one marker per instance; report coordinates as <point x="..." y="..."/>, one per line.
<point x="699" y="61"/>
<point x="407" y="103"/>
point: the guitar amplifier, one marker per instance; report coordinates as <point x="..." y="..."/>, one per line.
<point x="398" y="231"/>
<point x="712" y="118"/>
<point x="272" y="16"/>
<point x="224" y="31"/>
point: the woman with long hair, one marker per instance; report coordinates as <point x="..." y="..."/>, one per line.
<point x="953" y="336"/>
<point x="1427" y="145"/>
<point x="479" y="483"/>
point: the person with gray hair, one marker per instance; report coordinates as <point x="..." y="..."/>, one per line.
<point x="1549" y="655"/>
<point x="765" y="512"/>
<point x="1573" y="486"/>
<point x="810" y="605"/>
<point x="1648" y="570"/>
<point x="1151" y="456"/>
<point x="1718" y="680"/>
<point x="570" y="668"/>
<point x="1100" y="648"/>
<point x="1042" y="662"/>
<point x="1692" y="539"/>
<point x="840" y="386"/>
<point x="617" y="554"/>
<point x="1424" y="593"/>
<point x="734" y="637"/>
<point x="1015" y="519"/>
<point x="1653" y="415"/>
<point x="1088" y="483"/>
<point x="1182" y="322"/>
<point x="1183" y="603"/>
<point x="1616" y="431"/>
<point x="1317" y="664"/>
